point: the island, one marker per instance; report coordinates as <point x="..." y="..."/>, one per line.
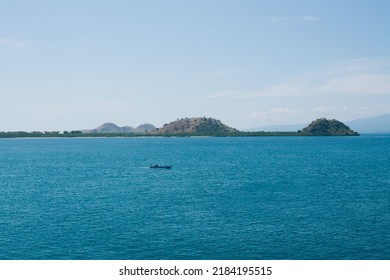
<point x="325" y="127"/>
<point x="187" y="127"/>
<point x="197" y="126"/>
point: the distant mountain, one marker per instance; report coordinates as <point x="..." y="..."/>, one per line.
<point x="378" y="124"/>
<point x="144" y="128"/>
<point x="325" y="127"/>
<point x="194" y="125"/>
<point x="113" y="128"/>
<point x="127" y="129"/>
<point x="110" y="128"/>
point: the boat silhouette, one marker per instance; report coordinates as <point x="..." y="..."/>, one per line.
<point x="161" y="166"/>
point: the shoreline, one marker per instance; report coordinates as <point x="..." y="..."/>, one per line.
<point x="217" y="135"/>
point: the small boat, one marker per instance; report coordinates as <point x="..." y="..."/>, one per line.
<point x="161" y="166"/>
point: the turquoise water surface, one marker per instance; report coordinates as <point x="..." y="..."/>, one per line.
<point x="224" y="198"/>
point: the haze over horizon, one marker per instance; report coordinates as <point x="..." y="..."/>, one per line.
<point x="78" y="64"/>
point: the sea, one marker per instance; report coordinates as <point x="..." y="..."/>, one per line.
<point x="225" y="198"/>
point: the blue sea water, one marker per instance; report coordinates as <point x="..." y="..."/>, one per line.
<point x="224" y="198"/>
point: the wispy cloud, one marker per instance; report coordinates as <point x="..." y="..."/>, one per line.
<point x="273" y="113"/>
<point x="284" y="115"/>
<point x="229" y="72"/>
<point x="273" y="116"/>
<point x="364" y="84"/>
<point x="11" y="43"/>
<point x="308" y="18"/>
<point x="348" y="113"/>
<point x="321" y="109"/>
<point x="283" y="90"/>
<point x="277" y="19"/>
<point x="230" y="94"/>
<point x="363" y="76"/>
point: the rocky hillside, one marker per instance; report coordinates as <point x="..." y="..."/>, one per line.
<point x="325" y="127"/>
<point x="194" y="126"/>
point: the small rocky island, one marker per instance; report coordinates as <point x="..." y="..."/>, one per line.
<point x="194" y="126"/>
<point x="325" y="127"/>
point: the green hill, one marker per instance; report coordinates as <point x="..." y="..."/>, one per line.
<point x="325" y="127"/>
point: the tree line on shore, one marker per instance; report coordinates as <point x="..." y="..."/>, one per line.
<point x="75" y="133"/>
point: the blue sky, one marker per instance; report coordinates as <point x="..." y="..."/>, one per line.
<point x="75" y="64"/>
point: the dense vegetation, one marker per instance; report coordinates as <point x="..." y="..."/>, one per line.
<point x="325" y="127"/>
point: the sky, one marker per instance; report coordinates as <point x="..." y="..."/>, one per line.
<point x="67" y="65"/>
